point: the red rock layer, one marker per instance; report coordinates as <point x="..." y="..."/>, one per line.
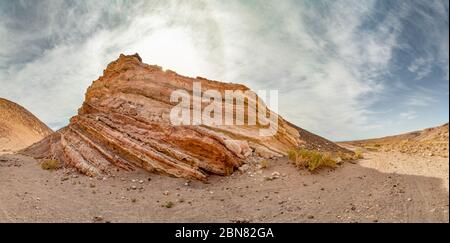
<point x="124" y="123"/>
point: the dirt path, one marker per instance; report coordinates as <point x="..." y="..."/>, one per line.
<point x="383" y="187"/>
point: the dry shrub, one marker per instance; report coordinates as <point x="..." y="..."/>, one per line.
<point x="264" y="164"/>
<point x="312" y="160"/>
<point x="50" y="164"/>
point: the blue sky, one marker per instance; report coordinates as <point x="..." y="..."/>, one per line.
<point x="344" y="69"/>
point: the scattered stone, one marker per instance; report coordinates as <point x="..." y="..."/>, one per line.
<point x="98" y="218"/>
<point x="241" y="221"/>
<point x="166" y="193"/>
<point x="244" y="168"/>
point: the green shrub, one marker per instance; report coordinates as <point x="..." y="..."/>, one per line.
<point x="310" y="159"/>
<point x="50" y="164"/>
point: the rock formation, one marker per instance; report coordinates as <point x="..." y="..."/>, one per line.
<point x="18" y="127"/>
<point x="125" y="122"/>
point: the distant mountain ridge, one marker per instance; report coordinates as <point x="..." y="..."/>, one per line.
<point x="19" y="128"/>
<point x="430" y="141"/>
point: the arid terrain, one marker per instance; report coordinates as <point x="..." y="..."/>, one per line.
<point x="382" y="187"/>
<point x="121" y="159"/>
<point x="428" y="142"/>
<point x="18" y="127"/>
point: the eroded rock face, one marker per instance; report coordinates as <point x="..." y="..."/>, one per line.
<point x="18" y="127"/>
<point x="125" y="123"/>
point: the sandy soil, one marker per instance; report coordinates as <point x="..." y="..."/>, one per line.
<point x="383" y="187"/>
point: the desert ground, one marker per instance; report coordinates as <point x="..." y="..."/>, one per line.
<point x="382" y="187"/>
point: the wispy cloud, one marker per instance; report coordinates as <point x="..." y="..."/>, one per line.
<point x="331" y="60"/>
<point x="409" y="115"/>
<point x="421" y="67"/>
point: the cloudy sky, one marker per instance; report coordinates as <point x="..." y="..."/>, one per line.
<point x="344" y="69"/>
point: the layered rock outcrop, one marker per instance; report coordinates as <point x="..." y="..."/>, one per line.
<point x="125" y="123"/>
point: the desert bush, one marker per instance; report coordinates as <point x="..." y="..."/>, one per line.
<point x="50" y="164"/>
<point x="345" y="156"/>
<point x="168" y="204"/>
<point x="359" y="154"/>
<point x="310" y="159"/>
<point x="264" y="164"/>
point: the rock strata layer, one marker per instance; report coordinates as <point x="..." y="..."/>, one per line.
<point x="125" y="123"/>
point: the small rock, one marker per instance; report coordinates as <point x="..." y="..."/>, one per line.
<point x="141" y="181"/>
<point x="310" y="216"/>
<point x="244" y="168"/>
<point x="166" y="193"/>
<point x="98" y="218"/>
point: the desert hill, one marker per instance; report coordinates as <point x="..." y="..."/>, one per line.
<point x="18" y="127"/>
<point x="125" y="123"/>
<point x="427" y="142"/>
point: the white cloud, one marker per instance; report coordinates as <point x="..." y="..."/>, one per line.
<point x="421" y="67"/>
<point x="409" y="115"/>
<point x="326" y="66"/>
